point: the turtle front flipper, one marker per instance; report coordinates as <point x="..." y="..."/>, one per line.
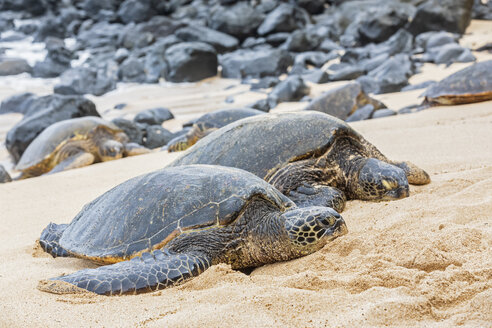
<point x="148" y="272"/>
<point x="77" y="160"/>
<point x="317" y="195"/>
<point x="50" y="237"/>
<point x="415" y="175"/>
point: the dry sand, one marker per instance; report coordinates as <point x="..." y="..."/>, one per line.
<point x="422" y="261"/>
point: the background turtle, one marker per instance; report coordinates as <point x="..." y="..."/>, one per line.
<point x="314" y="158"/>
<point x="208" y="123"/>
<point x="172" y="224"/>
<point x="75" y="143"/>
<point x="469" y="85"/>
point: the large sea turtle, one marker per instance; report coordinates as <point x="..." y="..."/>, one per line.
<point x="312" y="157"/>
<point x="172" y="224"/>
<point x="75" y="143"/>
<point x="469" y="85"/>
<point x="208" y="123"/>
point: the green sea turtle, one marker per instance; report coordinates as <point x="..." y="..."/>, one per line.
<point x="312" y="157"/>
<point x="469" y="85"/>
<point x="208" y="123"/>
<point x="75" y="143"/>
<point x="172" y="224"/>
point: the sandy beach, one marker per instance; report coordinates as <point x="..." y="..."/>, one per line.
<point x="424" y="261"/>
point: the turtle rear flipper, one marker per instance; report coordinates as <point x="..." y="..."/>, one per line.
<point x="415" y="175"/>
<point x="50" y="237"/>
<point x="149" y="272"/>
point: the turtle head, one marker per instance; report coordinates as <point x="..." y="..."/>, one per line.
<point x="379" y="181"/>
<point x="111" y="149"/>
<point x="310" y="228"/>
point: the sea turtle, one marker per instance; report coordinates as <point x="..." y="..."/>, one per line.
<point x="312" y="157"/>
<point x="172" y="224"/>
<point x="469" y="85"/>
<point x="75" y="143"/>
<point x="208" y="123"/>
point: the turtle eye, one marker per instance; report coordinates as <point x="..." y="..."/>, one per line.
<point x="389" y="185"/>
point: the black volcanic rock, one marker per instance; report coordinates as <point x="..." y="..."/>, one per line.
<point x="285" y="18"/>
<point x="132" y="70"/>
<point x="50" y="26"/>
<point x="302" y="40"/>
<point x="349" y="72"/>
<point x="136" y="11"/>
<point x="190" y="62"/>
<point x="381" y="27"/>
<point x="13" y="66"/>
<point x="240" y="20"/>
<point x="57" y="60"/>
<point x="220" y="41"/>
<point x="393" y="74"/>
<point x="442" y="15"/>
<point x="134" y="131"/>
<point x="156" y="136"/>
<point x="249" y="63"/>
<point x="154" y="116"/>
<point x="99" y="35"/>
<point x="19" y="103"/>
<point x="43" y="112"/>
<point x="85" y="80"/>
<point x="33" y="7"/>
<point x="314" y="7"/>
<point x="448" y="54"/>
<point x="292" y="88"/>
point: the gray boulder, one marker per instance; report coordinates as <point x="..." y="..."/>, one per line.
<point x="190" y="62"/>
<point x="220" y="41"/>
<point x="85" y="80"/>
<point x="285" y="18"/>
<point x="442" y="15"/>
<point x="250" y="63"/>
<point x="13" y="66"/>
<point x="154" y="116"/>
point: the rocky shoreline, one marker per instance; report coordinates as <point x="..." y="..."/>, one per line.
<point x="281" y="49"/>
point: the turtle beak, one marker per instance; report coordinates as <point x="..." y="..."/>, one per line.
<point x="339" y="228"/>
<point x="398" y="193"/>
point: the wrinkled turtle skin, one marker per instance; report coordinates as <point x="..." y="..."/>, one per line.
<point x="314" y="158"/>
<point x="164" y="227"/>
<point x="75" y="143"/>
<point x="469" y="85"/>
<point x="208" y="123"/>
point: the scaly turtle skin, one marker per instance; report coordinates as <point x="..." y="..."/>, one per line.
<point x="75" y="143"/>
<point x="469" y="85"/>
<point x="208" y="123"/>
<point x="170" y="225"/>
<point x="314" y="158"/>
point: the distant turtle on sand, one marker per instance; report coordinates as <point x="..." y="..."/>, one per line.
<point x="170" y="225"/>
<point x="469" y="85"/>
<point x="208" y="123"/>
<point x="312" y="157"/>
<point x="75" y="143"/>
